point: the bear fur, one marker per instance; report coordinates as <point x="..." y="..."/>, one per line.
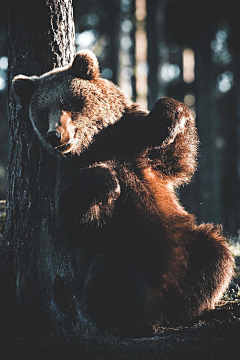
<point x="142" y="259"/>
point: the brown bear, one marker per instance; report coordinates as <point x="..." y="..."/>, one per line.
<point x="142" y="259"/>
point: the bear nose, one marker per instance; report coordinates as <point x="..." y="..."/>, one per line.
<point x="54" y="138"/>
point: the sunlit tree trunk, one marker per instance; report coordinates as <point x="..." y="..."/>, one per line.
<point x="37" y="274"/>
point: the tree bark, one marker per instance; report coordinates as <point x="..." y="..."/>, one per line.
<point x="41" y="291"/>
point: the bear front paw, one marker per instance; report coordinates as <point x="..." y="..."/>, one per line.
<point x="108" y="189"/>
<point x="90" y="197"/>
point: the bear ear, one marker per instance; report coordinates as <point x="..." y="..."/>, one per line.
<point x="24" y="86"/>
<point x="86" y="66"/>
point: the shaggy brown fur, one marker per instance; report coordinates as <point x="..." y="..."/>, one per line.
<point x="141" y="257"/>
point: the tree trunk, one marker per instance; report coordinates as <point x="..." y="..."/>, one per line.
<point x="208" y="174"/>
<point x="42" y="287"/>
<point x="156" y="44"/>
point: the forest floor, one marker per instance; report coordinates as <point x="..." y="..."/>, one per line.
<point x="215" y="340"/>
<point x="217" y="337"/>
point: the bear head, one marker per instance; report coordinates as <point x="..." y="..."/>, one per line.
<point x="69" y="106"/>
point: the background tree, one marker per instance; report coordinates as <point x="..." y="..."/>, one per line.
<point x="3" y="101"/>
<point x="42" y="292"/>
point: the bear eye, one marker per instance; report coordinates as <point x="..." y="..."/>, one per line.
<point x="72" y="105"/>
<point x="67" y="105"/>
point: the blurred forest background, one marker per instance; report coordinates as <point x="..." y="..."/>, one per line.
<point x="186" y="49"/>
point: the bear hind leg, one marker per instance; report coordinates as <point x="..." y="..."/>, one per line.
<point x="115" y="295"/>
<point x="211" y="266"/>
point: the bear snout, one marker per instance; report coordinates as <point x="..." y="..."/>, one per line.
<point x="61" y="132"/>
<point x="53" y="138"/>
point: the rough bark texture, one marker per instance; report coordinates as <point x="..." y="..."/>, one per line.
<point x="40" y="275"/>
